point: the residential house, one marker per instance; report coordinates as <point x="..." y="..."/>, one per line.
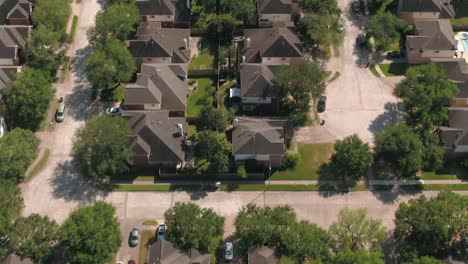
<point x="414" y="10"/>
<point x="15" y="12"/>
<point x="456" y="71"/>
<point x="163" y="252"/>
<point x="157" y="139"/>
<point x="433" y="39"/>
<point x="262" y="255"/>
<point x="260" y="139"/>
<point x="154" y="44"/>
<point x="6" y="73"/>
<point x="271" y="46"/>
<point x="171" y="13"/>
<point x="454" y="136"/>
<point x="15" y="259"/>
<point x="258" y="88"/>
<point x="12" y="40"/>
<point x="159" y="87"/>
<point x="274" y="12"/>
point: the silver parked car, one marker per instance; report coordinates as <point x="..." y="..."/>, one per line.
<point x="229" y="251"/>
<point x="60" y="114"/>
<point x="161" y="232"/>
<point x="134" y="237"/>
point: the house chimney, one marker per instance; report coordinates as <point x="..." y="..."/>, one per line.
<point x="235" y="122"/>
<point x="185" y="44"/>
<point x="247" y="43"/>
<point x="180" y="128"/>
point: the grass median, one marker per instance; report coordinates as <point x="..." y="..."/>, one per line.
<point x="39" y="166"/>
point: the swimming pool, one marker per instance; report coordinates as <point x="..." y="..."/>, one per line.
<point x="464" y="35"/>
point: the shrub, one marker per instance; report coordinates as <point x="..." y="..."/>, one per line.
<point x="242" y="172"/>
<point x="291" y="160"/>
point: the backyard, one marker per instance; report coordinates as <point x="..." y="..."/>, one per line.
<point x="313" y="157"/>
<point x="461" y="13"/>
<point x="203" y="96"/>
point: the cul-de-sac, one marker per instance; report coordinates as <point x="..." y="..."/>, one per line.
<point x="233" y="131"/>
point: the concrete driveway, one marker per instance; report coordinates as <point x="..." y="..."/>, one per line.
<point x="357" y="102"/>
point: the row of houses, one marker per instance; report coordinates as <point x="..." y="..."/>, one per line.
<point x="435" y="41"/>
<point x="15" y="29"/>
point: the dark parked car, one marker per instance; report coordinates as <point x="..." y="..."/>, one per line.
<point x="161" y="232"/>
<point x="395" y="55"/>
<point x="322" y="104"/>
<point x="356" y="7"/>
<point x="361" y="40"/>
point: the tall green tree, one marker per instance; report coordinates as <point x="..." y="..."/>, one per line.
<point x="27" y="97"/>
<point x="18" y="148"/>
<point x="353" y="230"/>
<point x="11" y="205"/>
<point x="302" y="83"/>
<point x="53" y="14"/>
<point x="386" y="29"/>
<point x="320" y="6"/>
<point x="101" y="147"/>
<point x="240" y="9"/>
<point x="431" y="226"/>
<point x="222" y="27"/>
<point x="262" y="225"/>
<point x="351" y="158"/>
<point x="306" y="241"/>
<point x="189" y="226"/>
<point x="117" y="21"/>
<point x="110" y="65"/>
<point x="215" y="148"/>
<point x="35" y="237"/>
<point x="212" y="118"/>
<point x="318" y="29"/>
<point x="401" y="149"/>
<point x="360" y="256"/>
<point x="91" y="235"/>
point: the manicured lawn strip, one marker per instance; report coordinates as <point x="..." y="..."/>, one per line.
<point x="313" y="156"/>
<point x="374" y="71"/>
<point x="63" y="74"/>
<point x="150" y="223"/>
<point x="452" y="171"/>
<point x="39" y="166"/>
<point x="202" y="62"/>
<point x="443" y="187"/>
<point x="45" y="123"/>
<point x="142" y="188"/>
<point x="434" y="176"/>
<point x="73" y="27"/>
<point x="394" y="69"/>
<point x="146" y="239"/>
<point x="144" y="178"/>
<point x="203" y="96"/>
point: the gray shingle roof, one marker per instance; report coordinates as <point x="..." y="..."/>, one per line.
<point x="457" y="131"/>
<point x="443" y="6"/>
<point x="6" y="73"/>
<point x="455" y="69"/>
<point x="255" y="136"/>
<point x="11" y="36"/>
<point x="432" y="35"/>
<point x="258" y="80"/>
<point x="262" y="255"/>
<point x="271" y="42"/>
<point x="156" y="135"/>
<point x="163" y="252"/>
<point x="274" y="6"/>
<point x="155" y="42"/>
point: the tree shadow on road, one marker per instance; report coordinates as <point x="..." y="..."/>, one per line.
<point x="68" y="184"/>
<point x="78" y="64"/>
<point x="393" y="113"/>
<point x="330" y="184"/>
<point x="79" y="103"/>
<point x="196" y="192"/>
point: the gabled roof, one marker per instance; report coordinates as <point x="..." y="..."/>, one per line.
<point x="6" y="73"/>
<point x="262" y="255"/>
<point x="254" y="136"/>
<point x="274" y="6"/>
<point x="457" y="131"/>
<point x="13" y="35"/>
<point x="271" y="42"/>
<point x="164" y="84"/>
<point x="176" y="8"/>
<point x="432" y="35"/>
<point x="455" y="69"/>
<point x="163" y="252"/>
<point x="462" y="89"/>
<point x="152" y="41"/>
<point x="258" y="80"/>
<point x="156" y="135"/>
<point x="21" y="11"/>
<point x="443" y="6"/>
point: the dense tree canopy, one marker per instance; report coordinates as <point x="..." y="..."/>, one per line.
<point x="222" y="27"/>
<point x="215" y="148"/>
<point x="34" y="237"/>
<point x="101" y="147"/>
<point x="18" y="148"/>
<point x="11" y="204"/>
<point x="117" y="21"/>
<point x="401" y="149"/>
<point x="320" y="6"/>
<point x="27" y="97"/>
<point x="91" y="235"/>
<point x="431" y="226"/>
<point x="212" y="118"/>
<point x="360" y="256"/>
<point x="353" y="230"/>
<point x="240" y="9"/>
<point x="351" y="158"/>
<point x="318" y="29"/>
<point x="110" y="65"/>
<point x="53" y="14"/>
<point x="189" y="226"/>
<point x="386" y="29"/>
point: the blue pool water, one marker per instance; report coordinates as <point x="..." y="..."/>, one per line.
<point x="464" y="35"/>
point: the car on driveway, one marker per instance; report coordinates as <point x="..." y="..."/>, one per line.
<point x="229" y="251"/>
<point x="114" y="111"/>
<point x="356" y="7"/>
<point x="394" y="55"/>
<point x="2" y="127"/>
<point x="322" y="104"/>
<point x="60" y="114"/>
<point x="361" y="40"/>
<point x="161" y="232"/>
<point x="134" y="237"/>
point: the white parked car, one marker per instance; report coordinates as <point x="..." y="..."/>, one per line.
<point x="134" y="237"/>
<point x="114" y="111"/>
<point x="2" y="127"/>
<point x="229" y="251"/>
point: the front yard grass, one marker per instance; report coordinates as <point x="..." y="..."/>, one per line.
<point x="461" y="14"/>
<point x="451" y="171"/>
<point x="147" y="237"/>
<point x="202" y="97"/>
<point x="393" y="69"/>
<point x="313" y="157"/>
<point x="374" y="71"/>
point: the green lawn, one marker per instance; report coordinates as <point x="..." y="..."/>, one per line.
<point x="39" y="166"/>
<point x="203" y="61"/>
<point x="394" y="69"/>
<point x="138" y="175"/>
<point x="73" y="27"/>
<point x="313" y="156"/>
<point x="203" y="96"/>
<point x="374" y="71"/>
<point x="449" y="172"/>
